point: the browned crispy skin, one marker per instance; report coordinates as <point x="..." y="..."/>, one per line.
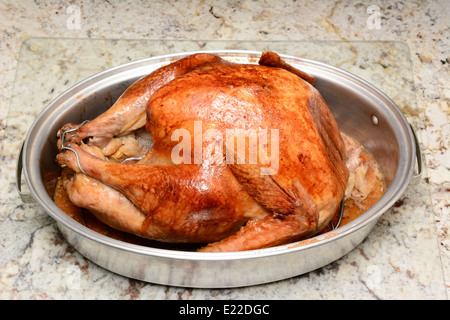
<point x="209" y="202"/>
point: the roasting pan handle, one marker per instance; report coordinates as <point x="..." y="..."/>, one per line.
<point x="24" y="196"/>
<point x="416" y="176"/>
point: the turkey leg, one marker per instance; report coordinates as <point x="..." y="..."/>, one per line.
<point x="179" y="203"/>
<point x="129" y="112"/>
<point x="109" y="205"/>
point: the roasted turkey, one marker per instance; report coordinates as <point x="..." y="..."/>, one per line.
<point x="196" y="183"/>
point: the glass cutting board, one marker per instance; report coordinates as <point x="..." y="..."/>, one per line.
<point x="399" y="258"/>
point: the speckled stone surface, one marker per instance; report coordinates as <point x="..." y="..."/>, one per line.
<point x="404" y="53"/>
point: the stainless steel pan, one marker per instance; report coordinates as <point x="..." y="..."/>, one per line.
<point x="361" y="110"/>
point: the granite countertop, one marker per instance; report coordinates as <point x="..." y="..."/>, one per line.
<point x="399" y="46"/>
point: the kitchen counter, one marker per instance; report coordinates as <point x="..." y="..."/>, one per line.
<point x="400" y="47"/>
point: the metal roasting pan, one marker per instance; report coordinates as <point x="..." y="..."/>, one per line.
<point x="361" y="110"/>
